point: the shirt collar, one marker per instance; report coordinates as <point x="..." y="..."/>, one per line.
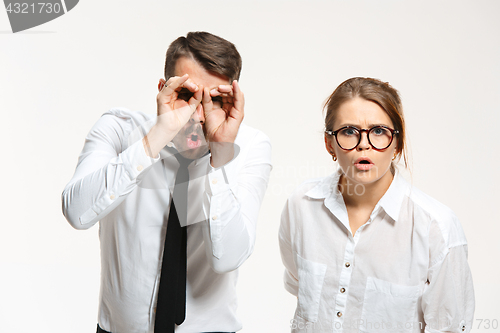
<point x="393" y="198"/>
<point x="327" y="189"/>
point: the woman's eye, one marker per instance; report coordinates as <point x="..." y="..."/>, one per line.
<point x="379" y="131"/>
<point x="349" y="132"/>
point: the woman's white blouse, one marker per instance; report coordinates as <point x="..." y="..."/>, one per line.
<point x="405" y="270"/>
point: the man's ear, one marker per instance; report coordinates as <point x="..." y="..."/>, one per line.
<point x="161" y="84"/>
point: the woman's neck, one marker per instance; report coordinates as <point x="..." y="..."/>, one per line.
<point x="370" y="193"/>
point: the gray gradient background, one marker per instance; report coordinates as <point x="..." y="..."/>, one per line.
<point x="57" y="79"/>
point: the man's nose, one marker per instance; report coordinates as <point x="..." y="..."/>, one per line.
<point x="198" y="116"/>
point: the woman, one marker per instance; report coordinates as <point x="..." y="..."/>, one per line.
<point x="363" y="250"/>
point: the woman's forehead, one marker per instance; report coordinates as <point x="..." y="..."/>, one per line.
<point x="358" y="111"/>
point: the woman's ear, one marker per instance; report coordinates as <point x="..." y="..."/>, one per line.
<point x="329" y="144"/>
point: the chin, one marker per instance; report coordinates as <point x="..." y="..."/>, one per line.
<point x="194" y="154"/>
<point x="366" y="177"/>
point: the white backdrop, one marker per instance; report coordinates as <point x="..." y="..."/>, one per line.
<point x="57" y="79"/>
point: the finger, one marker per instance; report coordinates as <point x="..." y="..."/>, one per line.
<point x="190" y="85"/>
<point x="195" y="100"/>
<point x="186" y="112"/>
<point x="239" y="98"/>
<point x="228" y="89"/>
<point x="226" y="100"/>
<point x="208" y="105"/>
<point x="173" y="84"/>
<point x="214" y="92"/>
<point x="222" y="90"/>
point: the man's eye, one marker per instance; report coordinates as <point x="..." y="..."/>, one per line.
<point x="184" y="94"/>
<point x="217" y="100"/>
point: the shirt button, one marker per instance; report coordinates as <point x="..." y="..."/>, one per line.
<point x="139" y="168"/>
<point x="347" y="264"/>
<point x="214" y="181"/>
<point x="342" y="290"/>
<point x="112" y="197"/>
<point x="169" y="144"/>
<point x="339" y="314"/>
<point x="214" y="217"/>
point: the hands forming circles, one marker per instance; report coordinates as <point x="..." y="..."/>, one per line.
<point x="180" y="97"/>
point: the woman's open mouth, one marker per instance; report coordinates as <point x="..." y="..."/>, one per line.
<point x="363" y="164"/>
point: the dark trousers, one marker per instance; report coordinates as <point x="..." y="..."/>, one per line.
<point x="100" y="330"/>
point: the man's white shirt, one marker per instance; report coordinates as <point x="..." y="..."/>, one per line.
<point x="116" y="183"/>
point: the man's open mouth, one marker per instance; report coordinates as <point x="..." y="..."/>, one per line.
<point x="193" y="141"/>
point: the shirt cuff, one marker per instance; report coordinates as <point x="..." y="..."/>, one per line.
<point x="135" y="160"/>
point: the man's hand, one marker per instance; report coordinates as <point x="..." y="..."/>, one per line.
<point x="173" y="113"/>
<point x="222" y="122"/>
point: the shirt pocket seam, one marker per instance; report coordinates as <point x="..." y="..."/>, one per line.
<point x="311" y="279"/>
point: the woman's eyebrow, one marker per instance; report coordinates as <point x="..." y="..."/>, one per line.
<point x="349" y="124"/>
<point x="379" y="124"/>
<point x="358" y="126"/>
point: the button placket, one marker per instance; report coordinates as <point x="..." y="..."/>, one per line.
<point x="344" y="281"/>
<point x="357" y="235"/>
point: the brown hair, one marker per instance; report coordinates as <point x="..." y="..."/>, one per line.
<point x="371" y="90"/>
<point x="213" y="53"/>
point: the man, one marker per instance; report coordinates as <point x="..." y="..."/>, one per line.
<point x="130" y="166"/>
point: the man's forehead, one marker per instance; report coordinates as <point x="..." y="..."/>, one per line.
<point x="198" y="74"/>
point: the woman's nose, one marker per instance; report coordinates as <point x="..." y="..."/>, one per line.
<point x="364" y="143"/>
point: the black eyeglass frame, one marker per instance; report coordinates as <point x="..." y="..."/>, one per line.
<point x="393" y="132"/>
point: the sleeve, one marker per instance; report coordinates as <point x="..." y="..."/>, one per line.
<point x="104" y="174"/>
<point x="290" y="276"/>
<point x="448" y="298"/>
<point x="234" y="194"/>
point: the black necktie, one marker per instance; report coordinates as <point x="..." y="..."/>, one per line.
<point x="171" y="304"/>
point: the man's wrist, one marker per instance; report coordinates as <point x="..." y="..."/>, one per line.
<point x="155" y="140"/>
<point x="221" y="153"/>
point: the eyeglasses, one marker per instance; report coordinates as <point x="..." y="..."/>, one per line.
<point x="349" y="137"/>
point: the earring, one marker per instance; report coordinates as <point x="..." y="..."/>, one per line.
<point x="333" y="155"/>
